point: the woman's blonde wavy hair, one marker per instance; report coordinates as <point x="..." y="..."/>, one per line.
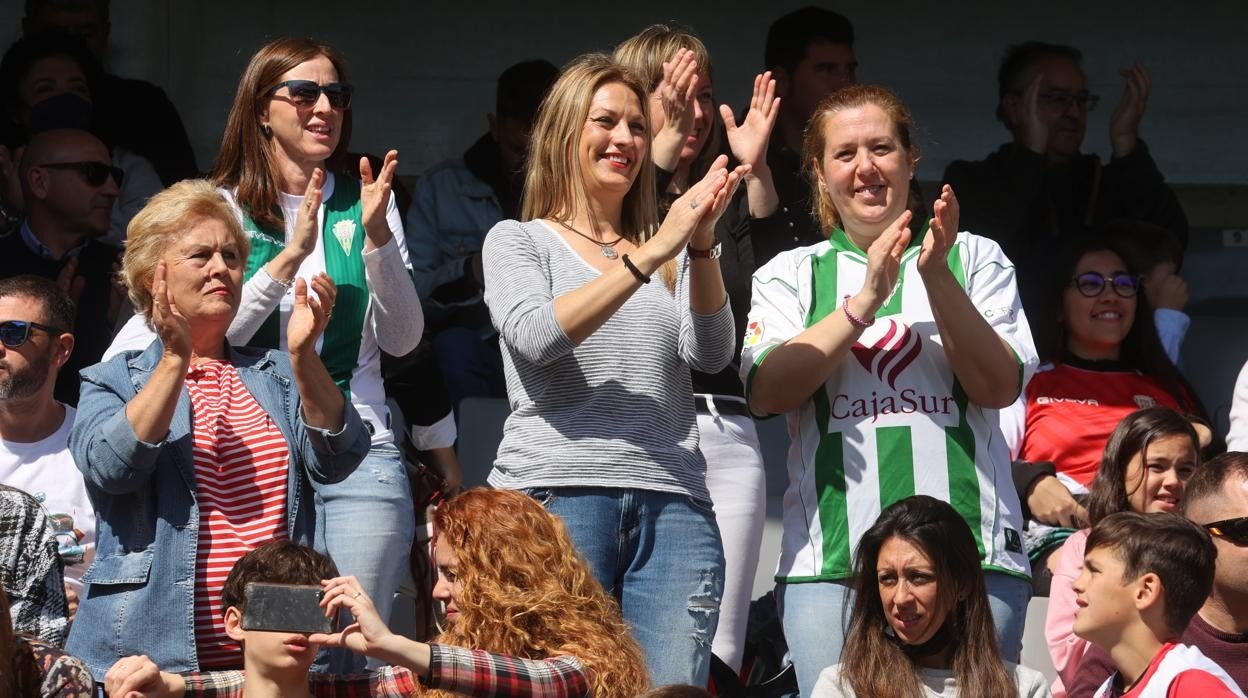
<point x="526" y="592"/>
<point x="554" y="187"/>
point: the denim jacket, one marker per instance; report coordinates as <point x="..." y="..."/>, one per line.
<point x="140" y="589"/>
<point x="451" y="212"/>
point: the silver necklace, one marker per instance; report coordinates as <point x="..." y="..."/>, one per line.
<point x="606" y="248"/>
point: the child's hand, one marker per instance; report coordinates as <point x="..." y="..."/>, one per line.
<point x="139" y="677"/>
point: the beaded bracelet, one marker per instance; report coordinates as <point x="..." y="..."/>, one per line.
<point x="854" y="319"/>
<point x="633" y="268"/>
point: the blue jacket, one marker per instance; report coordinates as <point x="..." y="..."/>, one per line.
<point x="140" y="590"/>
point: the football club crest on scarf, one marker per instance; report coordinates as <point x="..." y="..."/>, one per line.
<point x="891" y="353"/>
<point x="344" y="232"/>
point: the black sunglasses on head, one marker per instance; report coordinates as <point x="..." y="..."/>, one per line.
<point x="1234" y="530"/>
<point x="1091" y="284"/>
<point x="14" y="333"/>
<point x="304" y="93"/>
<point x="96" y="173"/>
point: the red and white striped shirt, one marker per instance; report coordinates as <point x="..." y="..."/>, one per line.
<point x="241" y="466"/>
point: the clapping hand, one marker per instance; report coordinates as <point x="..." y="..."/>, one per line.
<point x="375" y="197"/>
<point x="170" y="325"/>
<point x="677" y="91"/>
<point x="307" y="221"/>
<point x="942" y="232"/>
<point x="1124" y="124"/>
<point x="702" y="204"/>
<point x="704" y="235"/>
<point x="748" y="140"/>
<point x="1035" y="131"/>
<point x="311" y="314"/>
<point x="884" y="262"/>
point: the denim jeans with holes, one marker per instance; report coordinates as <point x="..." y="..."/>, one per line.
<point x="660" y="555"/>
<point x="367" y="523"/>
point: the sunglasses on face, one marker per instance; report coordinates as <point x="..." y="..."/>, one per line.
<point x="1091" y="284"/>
<point x="304" y="93"/>
<point x="1234" y="530"/>
<point x="96" y="173"/>
<point x="14" y="333"/>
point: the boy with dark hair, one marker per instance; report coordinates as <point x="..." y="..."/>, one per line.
<point x="1144" y="577"/>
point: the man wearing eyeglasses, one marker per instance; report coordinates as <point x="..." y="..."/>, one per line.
<point x="1215" y="497"/>
<point x="69" y="186"/>
<point x="1040" y="189"/>
<point x="36" y="340"/>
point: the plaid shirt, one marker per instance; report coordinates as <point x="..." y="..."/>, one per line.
<point x="30" y="568"/>
<point x="469" y="672"/>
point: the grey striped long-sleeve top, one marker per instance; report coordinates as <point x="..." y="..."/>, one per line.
<point x="615" y="411"/>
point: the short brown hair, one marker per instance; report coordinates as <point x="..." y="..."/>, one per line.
<point x="167" y="216"/>
<point x="815" y="141"/>
<point x="1208" y="481"/>
<point x="276" y="562"/>
<point x="58" y="310"/>
<point x="1178" y="551"/>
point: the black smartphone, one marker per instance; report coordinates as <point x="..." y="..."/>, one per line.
<point x="290" y="608"/>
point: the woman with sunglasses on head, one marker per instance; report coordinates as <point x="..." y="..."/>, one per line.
<point x="921" y="625"/>
<point x="675" y="67"/>
<point x="602" y="312"/>
<point x="1106" y="366"/>
<point x="1148" y="460"/>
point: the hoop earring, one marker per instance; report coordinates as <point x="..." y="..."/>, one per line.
<point x="267" y="130"/>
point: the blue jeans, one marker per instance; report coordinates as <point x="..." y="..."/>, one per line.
<point x="816" y="617"/>
<point x="660" y="555"/>
<point x="367" y="523"/>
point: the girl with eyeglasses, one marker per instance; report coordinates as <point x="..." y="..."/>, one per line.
<point x="1107" y="366"/>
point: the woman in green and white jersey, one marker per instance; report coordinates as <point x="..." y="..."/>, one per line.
<point x="889" y="347"/>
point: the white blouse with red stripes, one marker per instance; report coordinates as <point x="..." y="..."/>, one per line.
<point x="241" y="465"/>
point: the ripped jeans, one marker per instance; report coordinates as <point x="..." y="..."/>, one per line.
<point x="367" y="523"/>
<point x="660" y="555"/>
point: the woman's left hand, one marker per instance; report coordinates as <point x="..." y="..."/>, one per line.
<point x="311" y="314"/>
<point x="368" y="633"/>
<point x="374" y="198"/>
<point x="942" y="232"/>
<point x="704" y="234"/>
<point x="748" y="140"/>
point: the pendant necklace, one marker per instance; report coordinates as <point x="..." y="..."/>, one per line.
<point x="607" y="248"/>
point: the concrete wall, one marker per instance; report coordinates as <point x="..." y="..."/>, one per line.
<point x="425" y="71"/>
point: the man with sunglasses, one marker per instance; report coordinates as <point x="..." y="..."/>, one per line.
<point x="69" y="186"/>
<point x="36" y="322"/>
<point x="1215" y="497"/>
<point x="1040" y="189"/>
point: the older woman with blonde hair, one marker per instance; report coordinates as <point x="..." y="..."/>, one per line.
<point x="195" y="452"/>
<point x="597" y="355"/>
